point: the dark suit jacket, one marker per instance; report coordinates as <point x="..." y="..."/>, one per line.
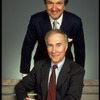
<point x="69" y="83"/>
<point x="39" y="25"/>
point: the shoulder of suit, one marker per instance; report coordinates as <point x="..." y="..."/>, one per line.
<point x="71" y="15"/>
<point x="73" y="65"/>
<point x="42" y="62"/>
<point x="39" y="15"/>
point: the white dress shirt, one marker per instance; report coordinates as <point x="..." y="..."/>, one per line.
<point x="57" y="70"/>
<point x="59" y="21"/>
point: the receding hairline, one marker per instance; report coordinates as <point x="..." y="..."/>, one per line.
<point x="56" y="31"/>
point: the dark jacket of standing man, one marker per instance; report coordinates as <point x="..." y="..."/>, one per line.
<point x="69" y="75"/>
<point x="41" y="23"/>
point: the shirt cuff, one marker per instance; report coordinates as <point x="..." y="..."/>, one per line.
<point x="23" y="75"/>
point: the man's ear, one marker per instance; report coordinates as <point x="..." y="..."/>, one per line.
<point x="65" y="5"/>
<point x="66" y="46"/>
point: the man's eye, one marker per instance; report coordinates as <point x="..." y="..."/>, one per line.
<point x="49" y="45"/>
<point x="59" y="45"/>
<point x="49" y="3"/>
<point x="59" y="3"/>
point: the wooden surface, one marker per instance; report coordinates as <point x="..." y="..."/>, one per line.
<point x="15" y="81"/>
<point x="90" y="90"/>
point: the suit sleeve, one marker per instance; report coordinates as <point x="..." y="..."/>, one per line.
<point x="28" y="45"/>
<point x="27" y="84"/>
<point x="79" y="43"/>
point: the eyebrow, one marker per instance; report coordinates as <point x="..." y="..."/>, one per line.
<point x="59" y="43"/>
<point x="52" y="44"/>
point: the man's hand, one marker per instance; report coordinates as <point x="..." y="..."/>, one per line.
<point x="29" y="98"/>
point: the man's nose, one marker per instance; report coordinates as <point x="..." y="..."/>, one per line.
<point x="54" y="7"/>
<point x="54" y="49"/>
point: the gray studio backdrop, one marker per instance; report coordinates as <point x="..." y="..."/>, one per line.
<point x="15" y="18"/>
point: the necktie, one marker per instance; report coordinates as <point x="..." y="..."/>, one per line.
<point x="55" y="24"/>
<point x="52" y="86"/>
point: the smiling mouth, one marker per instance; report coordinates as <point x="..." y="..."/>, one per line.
<point x="54" y="12"/>
<point x="55" y="56"/>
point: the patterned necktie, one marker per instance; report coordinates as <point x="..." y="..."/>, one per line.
<point x="52" y="86"/>
<point x="55" y="24"/>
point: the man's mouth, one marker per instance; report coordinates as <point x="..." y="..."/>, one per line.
<point x="54" y="12"/>
<point x="55" y="56"/>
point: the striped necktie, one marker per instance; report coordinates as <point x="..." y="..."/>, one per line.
<point x="55" y="24"/>
<point x="52" y="86"/>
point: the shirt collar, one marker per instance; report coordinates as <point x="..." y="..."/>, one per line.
<point x="58" y="20"/>
<point x="59" y="65"/>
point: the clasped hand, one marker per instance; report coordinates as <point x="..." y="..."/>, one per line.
<point x="29" y="98"/>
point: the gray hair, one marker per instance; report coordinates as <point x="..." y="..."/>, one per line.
<point x="56" y="31"/>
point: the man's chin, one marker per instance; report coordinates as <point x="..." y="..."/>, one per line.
<point x="55" y="17"/>
<point x="55" y="61"/>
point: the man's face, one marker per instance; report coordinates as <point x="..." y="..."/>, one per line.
<point x="56" y="47"/>
<point x="55" y="8"/>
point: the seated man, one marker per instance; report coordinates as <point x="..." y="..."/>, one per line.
<point x="63" y="82"/>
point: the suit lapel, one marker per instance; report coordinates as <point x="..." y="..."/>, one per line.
<point x="44" y="80"/>
<point x="65" y="23"/>
<point x="45" y="23"/>
<point x="63" y="75"/>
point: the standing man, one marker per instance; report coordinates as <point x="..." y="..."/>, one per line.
<point x="43" y="22"/>
<point x="57" y="78"/>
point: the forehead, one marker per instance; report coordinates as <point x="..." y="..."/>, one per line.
<point x="56" y="0"/>
<point x="55" y="37"/>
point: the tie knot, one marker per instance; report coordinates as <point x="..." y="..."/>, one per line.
<point x="55" y="66"/>
<point x="55" y="21"/>
<point x="55" y="24"/>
